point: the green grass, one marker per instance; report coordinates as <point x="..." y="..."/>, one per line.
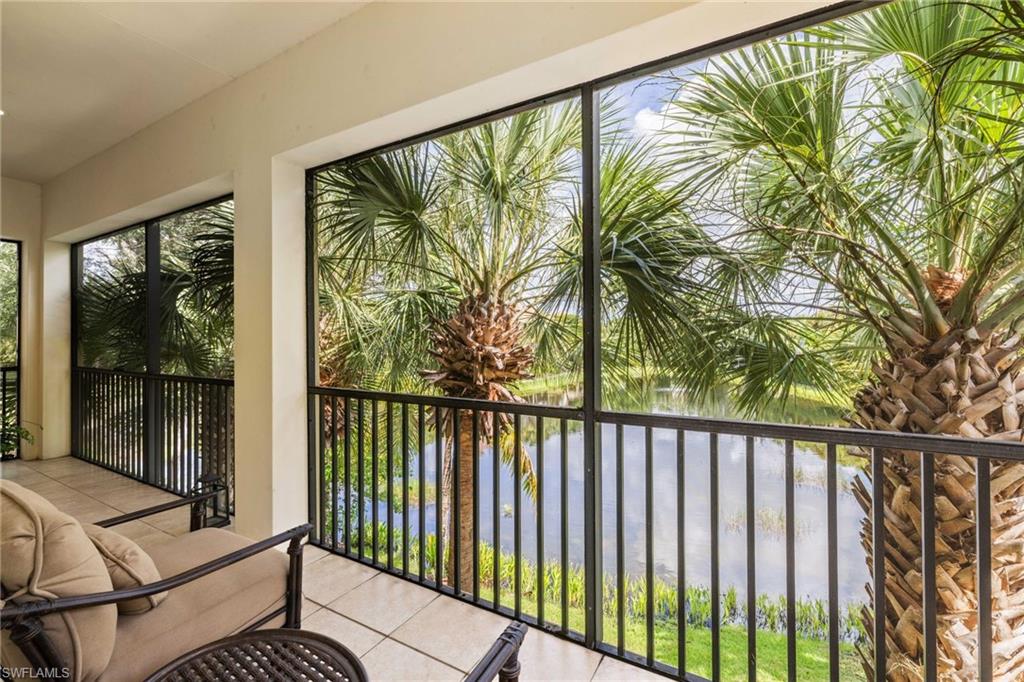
<point x="811" y="654"/>
<point x="812" y="647"/>
<point x="772" y="661"/>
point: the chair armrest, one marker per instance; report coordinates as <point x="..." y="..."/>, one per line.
<point x="502" y="659"/>
<point x="192" y="499"/>
<point x="11" y="612"/>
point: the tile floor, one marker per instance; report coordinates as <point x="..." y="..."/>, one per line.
<point x="399" y="630"/>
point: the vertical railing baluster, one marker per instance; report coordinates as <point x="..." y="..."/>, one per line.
<point x="649" y="538"/>
<point x="405" y="489"/>
<point x="878" y="557"/>
<point x="172" y="389"/>
<point x="374" y="480"/>
<point x="389" y="480"/>
<point x="751" y="564"/>
<point x="620" y="544"/>
<point x="564" y="481"/>
<point x="832" y="485"/>
<point x="229" y="451"/>
<point x="983" y="535"/>
<point x="321" y="470"/>
<point x="496" y="506"/>
<point x="194" y="431"/>
<point x="680" y="551"/>
<point x="347" y="452"/>
<point x="539" y="477"/>
<point x="106" y="420"/>
<point x="790" y="564"/>
<point x="114" y="422"/>
<point x="517" y="504"/>
<point x="456" y="502"/>
<point x="439" y="499"/>
<point x="928" y="585"/>
<point x="334" y="473"/>
<point x="476" y="506"/>
<point x="360" y="480"/>
<point x="179" y="427"/>
<point x="421" y="436"/>
<point x="716" y="591"/>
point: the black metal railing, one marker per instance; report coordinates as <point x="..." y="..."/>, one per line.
<point x="10" y="407"/>
<point x="164" y="430"/>
<point x="662" y="486"/>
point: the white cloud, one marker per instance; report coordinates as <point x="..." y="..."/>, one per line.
<point x="649" y="122"/>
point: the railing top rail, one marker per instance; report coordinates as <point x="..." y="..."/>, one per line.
<point x="165" y="377"/>
<point x="936" y="444"/>
<point x="528" y="409"/>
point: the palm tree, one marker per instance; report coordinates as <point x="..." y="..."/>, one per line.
<point x="196" y="297"/>
<point x="196" y="314"/>
<point x="461" y="257"/>
<point x="870" y="174"/>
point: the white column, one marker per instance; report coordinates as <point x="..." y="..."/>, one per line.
<point x="270" y="347"/>
<point x="55" y="360"/>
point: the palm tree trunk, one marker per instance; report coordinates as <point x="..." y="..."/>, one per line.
<point x="968" y="387"/>
<point x="464" y="489"/>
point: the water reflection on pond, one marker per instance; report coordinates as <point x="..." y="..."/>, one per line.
<point x="769" y="463"/>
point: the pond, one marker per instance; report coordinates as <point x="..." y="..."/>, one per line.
<point x="769" y="466"/>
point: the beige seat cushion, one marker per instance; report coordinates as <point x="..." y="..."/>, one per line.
<point x="46" y="555"/>
<point x="204" y="610"/>
<point x="128" y="566"/>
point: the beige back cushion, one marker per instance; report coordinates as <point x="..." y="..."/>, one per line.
<point x="128" y="566"/>
<point x="46" y="555"/>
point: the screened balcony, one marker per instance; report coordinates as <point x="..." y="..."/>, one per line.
<point x="689" y="338"/>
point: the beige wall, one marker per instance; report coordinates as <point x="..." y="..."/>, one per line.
<point x="45" y="325"/>
<point x="388" y="71"/>
<point x="21" y="219"/>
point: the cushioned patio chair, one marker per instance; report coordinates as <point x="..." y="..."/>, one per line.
<point x="83" y="598"/>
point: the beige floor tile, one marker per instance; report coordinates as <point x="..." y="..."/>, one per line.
<point x="88" y="510"/>
<point x="357" y="638"/>
<point x="19" y="472"/>
<point x="394" y="662"/>
<point x="311" y="554"/>
<point x="452" y="631"/>
<point x="176" y="521"/>
<point x="142" y="533"/>
<point x="383" y="603"/>
<point x="51" y="489"/>
<point x="65" y="467"/>
<point x="309" y="607"/>
<point x="136" y="497"/>
<point x="614" y="670"/>
<point x="546" y="657"/>
<point x="325" y="580"/>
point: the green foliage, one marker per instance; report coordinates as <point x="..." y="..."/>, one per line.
<point x="838" y="165"/>
<point x="811" y="614"/>
<point x="196" y="296"/>
<point x="9" y="303"/>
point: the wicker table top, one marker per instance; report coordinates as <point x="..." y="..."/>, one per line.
<point x="282" y="654"/>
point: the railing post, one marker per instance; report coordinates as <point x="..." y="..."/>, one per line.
<point x="153" y="441"/>
<point x="76" y="379"/>
<point x="293" y="600"/>
<point x="591" y="363"/>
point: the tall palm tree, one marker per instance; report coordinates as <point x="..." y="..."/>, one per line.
<point x="460" y="257"/>
<point x="870" y="174"/>
<point x="196" y="315"/>
<point x="196" y="297"/>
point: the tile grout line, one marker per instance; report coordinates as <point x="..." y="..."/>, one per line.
<point x="434" y="598"/>
<point x="95" y="499"/>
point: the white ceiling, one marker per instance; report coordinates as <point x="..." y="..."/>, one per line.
<point x="78" y="77"/>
